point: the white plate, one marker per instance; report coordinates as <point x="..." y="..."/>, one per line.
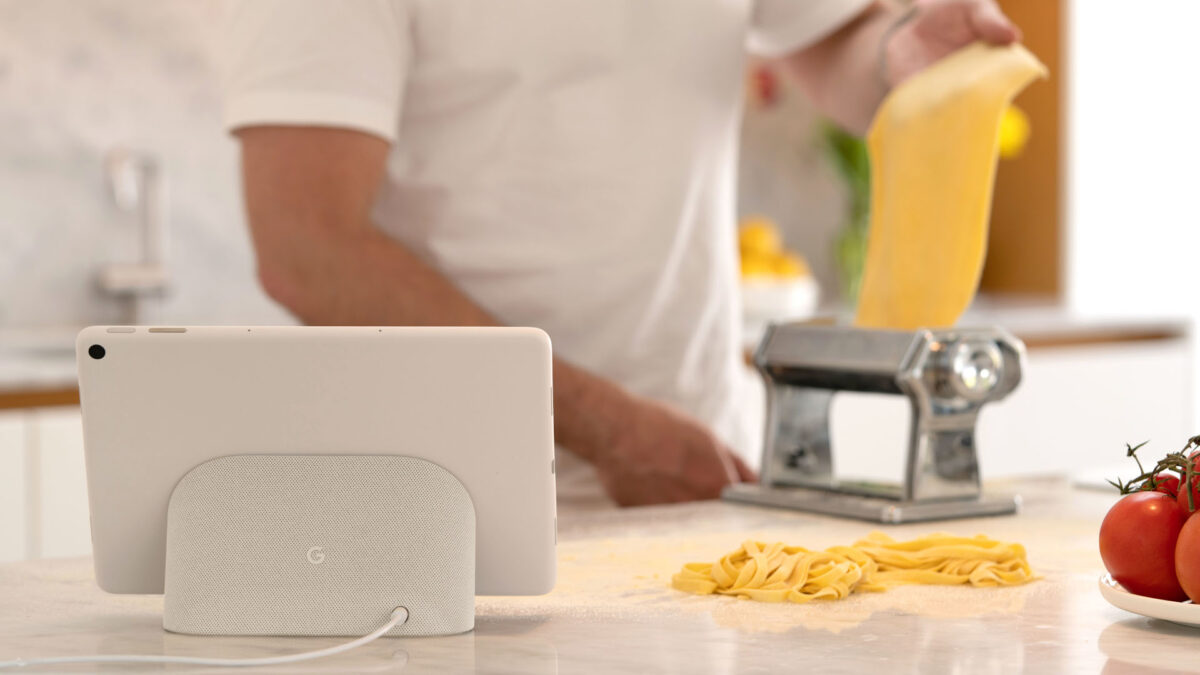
<point x="1184" y="613"/>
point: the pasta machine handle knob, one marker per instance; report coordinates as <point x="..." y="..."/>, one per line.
<point x="977" y="367"/>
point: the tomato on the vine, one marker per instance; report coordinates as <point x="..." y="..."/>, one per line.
<point x="1137" y="544"/>
<point x="1167" y="483"/>
<point x="1187" y="559"/>
<point x="1183" y="494"/>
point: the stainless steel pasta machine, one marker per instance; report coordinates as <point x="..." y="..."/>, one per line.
<point x="947" y="376"/>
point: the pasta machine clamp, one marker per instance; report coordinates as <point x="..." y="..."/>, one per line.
<point x="947" y="375"/>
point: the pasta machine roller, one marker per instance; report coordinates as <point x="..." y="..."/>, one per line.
<point x="947" y="375"/>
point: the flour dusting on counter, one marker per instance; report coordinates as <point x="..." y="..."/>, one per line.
<point x="630" y="578"/>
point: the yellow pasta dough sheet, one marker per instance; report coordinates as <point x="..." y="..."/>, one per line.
<point x="933" y="147"/>
<point x="777" y="572"/>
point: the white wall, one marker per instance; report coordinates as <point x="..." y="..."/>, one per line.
<point x="80" y="78"/>
<point x="1133" y="98"/>
<point x="1073" y="412"/>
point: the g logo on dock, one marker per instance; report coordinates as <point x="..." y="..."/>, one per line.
<point x="316" y="555"/>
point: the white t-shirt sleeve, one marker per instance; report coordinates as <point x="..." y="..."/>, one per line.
<point x="316" y="62"/>
<point x="778" y="27"/>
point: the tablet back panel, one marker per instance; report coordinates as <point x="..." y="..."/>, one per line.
<point x="476" y="401"/>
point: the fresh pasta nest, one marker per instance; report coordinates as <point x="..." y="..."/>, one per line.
<point x="777" y="572"/>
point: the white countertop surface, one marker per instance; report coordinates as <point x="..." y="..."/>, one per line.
<point x="37" y="372"/>
<point x="37" y="359"/>
<point x="613" y="609"/>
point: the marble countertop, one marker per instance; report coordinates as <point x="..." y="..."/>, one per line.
<point x="37" y="372"/>
<point x="37" y="359"/>
<point x="613" y="609"/>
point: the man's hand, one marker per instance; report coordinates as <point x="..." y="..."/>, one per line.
<point x="848" y="73"/>
<point x="938" y="27"/>
<point x="658" y="454"/>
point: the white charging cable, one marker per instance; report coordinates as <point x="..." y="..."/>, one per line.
<point x="398" y="617"/>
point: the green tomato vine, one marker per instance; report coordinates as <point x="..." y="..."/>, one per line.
<point x="1181" y="463"/>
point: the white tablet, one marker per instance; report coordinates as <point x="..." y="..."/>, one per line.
<point x="477" y="401"/>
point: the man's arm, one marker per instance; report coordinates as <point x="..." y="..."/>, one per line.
<point x="848" y="73"/>
<point x="309" y="192"/>
<point x="308" y="197"/>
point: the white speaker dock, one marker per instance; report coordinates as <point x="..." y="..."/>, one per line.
<point x="324" y="545"/>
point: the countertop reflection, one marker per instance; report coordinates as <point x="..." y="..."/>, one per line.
<point x="613" y="609"/>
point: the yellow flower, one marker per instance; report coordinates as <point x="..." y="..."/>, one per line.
<point x="1014" y="132"/>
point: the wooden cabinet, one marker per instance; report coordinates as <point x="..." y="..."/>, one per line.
<point x="1026" y="241"/>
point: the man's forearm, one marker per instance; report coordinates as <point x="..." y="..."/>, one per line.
<point x="842" y="73"/>
<point x="363" y="277"/>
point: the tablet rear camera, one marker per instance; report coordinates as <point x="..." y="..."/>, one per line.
<point x="96" y="352"/>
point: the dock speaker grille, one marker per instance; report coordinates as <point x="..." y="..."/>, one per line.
<point x="319" y="545"/>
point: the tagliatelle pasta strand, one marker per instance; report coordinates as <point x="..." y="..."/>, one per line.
<point x="780" y="573"/>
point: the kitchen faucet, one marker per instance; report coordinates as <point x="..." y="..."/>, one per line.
<point x="138" y="184"/>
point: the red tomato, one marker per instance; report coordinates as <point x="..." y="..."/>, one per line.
<point x="1187" y="559"/>
<point x="1137" y="544"/>
<point x="1168" y="483"/>
<point x="1183" y="495"/>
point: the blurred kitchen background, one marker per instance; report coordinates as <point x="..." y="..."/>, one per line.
<point x="119" y="203"/>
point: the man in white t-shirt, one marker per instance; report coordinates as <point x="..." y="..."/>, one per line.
<point x="565" y="164"/>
